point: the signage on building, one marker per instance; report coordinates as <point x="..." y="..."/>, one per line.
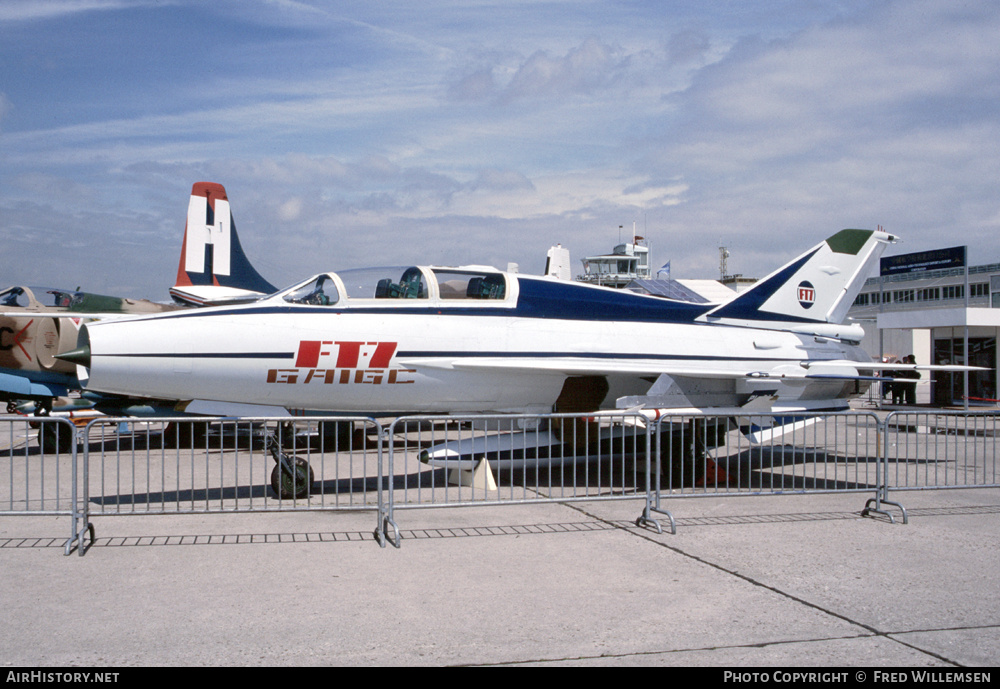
<point x="920" y="261"/>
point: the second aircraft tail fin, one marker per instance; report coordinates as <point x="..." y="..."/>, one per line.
<point x="213" y="268"/>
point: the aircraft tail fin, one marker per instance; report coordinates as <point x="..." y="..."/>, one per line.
<point x="818" y="287"/>
<point x="557" y="263"/>
<point x="213" y="268"/>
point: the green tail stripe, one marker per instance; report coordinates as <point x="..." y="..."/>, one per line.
<point x="849" y="241"/>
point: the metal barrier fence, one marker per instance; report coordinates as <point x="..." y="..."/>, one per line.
<point x="516" y="459"/>
<point x="231" y="465"/>
<point x="711" y="456"/>
<point x="170" y="466"/>
<point x="219" y="465"/>
<point x="937" y="449"/>
<point x="750" y="455"/>
<point x="127" y="466"/>
<point x="39" y="471"/>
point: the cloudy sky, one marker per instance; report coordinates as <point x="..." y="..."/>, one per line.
<point x="391" y="132"/>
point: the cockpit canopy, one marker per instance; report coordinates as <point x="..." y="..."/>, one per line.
<point x="24" y="297"/>
<point x="410" y="282"/>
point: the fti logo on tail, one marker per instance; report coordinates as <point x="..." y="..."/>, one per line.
<point x="807" y="294"/>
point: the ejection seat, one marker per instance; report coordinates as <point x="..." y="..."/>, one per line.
<point x="488" y="287"/>
<point x="410" y="286"/>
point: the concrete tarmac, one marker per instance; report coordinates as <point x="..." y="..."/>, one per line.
<point x="746" y="582"/>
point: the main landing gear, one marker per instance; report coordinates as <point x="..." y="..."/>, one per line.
<point x="291" y="477"/>
<point x="52" y="437"/>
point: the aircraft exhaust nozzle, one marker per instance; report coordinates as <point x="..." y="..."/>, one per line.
<point x="79" y="356"/>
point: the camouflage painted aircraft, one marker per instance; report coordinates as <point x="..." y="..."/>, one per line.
<point x="28" y="343"/>
<point x="213" y="270"/>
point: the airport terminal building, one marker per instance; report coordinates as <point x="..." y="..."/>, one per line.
<point x="936" y="306"/>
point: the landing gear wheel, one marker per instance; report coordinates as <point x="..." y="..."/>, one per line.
<point x="56" y="438"/>
<point x="289" y="486"/>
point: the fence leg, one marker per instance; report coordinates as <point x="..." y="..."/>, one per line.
<point x="77" y="536"/>
<point x="882" y="477"/>
<point x="882" y="499"/>
<point x="653" y="494"/>
<point x="385" y="504"/>
<point x="645" y="520"/>
<point x="382" y="532"/>
<point x="80" y="516"/>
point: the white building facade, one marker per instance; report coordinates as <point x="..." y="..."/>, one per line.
<point x="933" y="305"/>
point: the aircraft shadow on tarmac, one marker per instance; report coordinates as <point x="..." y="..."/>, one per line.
<point x="797" y="468"/>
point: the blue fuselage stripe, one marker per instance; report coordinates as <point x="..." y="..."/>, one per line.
<point x="446" y="355"/>
<point x="574" y="355"/>
<point x="203" y="355"/>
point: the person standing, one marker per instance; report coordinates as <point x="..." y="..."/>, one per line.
<point x="909" y="389"/>
<point x="891" y="388"/>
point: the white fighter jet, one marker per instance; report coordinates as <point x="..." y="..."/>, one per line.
<point x="476" y="339"/>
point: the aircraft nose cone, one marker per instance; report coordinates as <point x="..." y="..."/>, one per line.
<point x="79" y="356"/>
